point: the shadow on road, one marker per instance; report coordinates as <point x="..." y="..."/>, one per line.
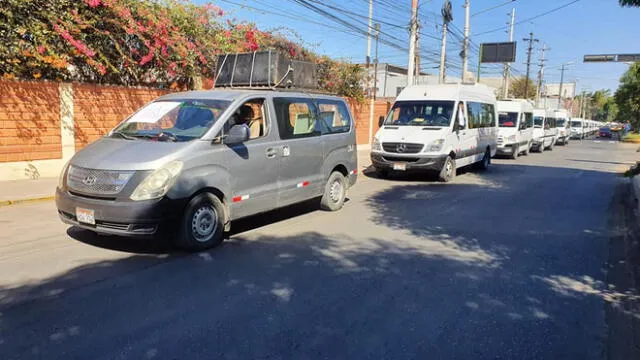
<point x="472" y="269"/>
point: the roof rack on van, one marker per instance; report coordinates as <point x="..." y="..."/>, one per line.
<point x="264" y="70"/>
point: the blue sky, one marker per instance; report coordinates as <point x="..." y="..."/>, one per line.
<point x="585" y="27"/>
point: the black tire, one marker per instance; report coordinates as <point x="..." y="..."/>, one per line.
<point x="202" y="225"/>
<point x="335" y="192"/>
<point x="485" y="162"/>
<point x="515" y="152"/>
<point x="550" y="148"/>
<point x="448" y="171"/>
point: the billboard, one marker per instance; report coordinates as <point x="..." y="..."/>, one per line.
<point x="504" y="52"/>
<point x="552" y="90"/>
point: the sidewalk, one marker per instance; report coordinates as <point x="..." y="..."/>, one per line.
<point x="19" y="191"/>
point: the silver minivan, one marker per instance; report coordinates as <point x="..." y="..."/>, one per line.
<point x="192" y="162"/>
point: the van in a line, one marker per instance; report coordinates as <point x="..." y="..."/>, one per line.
<point x="563" y="123"/>
<point x="577" y="128"/>
<point x="544" y="131"/>
<point x="194" y="161"/>
<point x="515" y="121"/>
<point x="437" y="128"/>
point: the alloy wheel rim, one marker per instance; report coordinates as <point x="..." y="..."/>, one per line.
<point x="204" y="223"/>
<point x="335" y="191"/>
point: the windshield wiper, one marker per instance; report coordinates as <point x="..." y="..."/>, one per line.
<point x="123" y="135"/>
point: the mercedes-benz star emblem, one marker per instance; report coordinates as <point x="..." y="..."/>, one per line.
<point x="401" y="148"/>
<point x="89" y="180"/>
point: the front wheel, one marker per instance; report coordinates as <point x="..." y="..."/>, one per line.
<point x="202" y="224"/>
<point x="448" y="171"/>
<point x="515" y="152"/>
<point x="335" y="192"/>
<point x="526" y="151"/>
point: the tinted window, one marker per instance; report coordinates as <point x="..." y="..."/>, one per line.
<point x="474" y="114"/>
<point x="296" y="118"/>
<point x="334" y="116"/>
<point x="489" y="115"/>
<point x="508" y="119"/>
<point x="528" y="120"/>
<point x="421" y="113"/>
<point x="538" y="121"/>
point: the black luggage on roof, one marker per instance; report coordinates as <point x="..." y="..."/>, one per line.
<point x="264" y="69"/>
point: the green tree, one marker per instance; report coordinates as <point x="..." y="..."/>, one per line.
<point x="518" y="86"/>
<point x="627" y="96"/>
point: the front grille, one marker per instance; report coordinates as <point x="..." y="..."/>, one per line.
<point x="402" y="148"/>
<point x="100" y="182"/>
<point x="500" y="140"/>
<point x="400" y="159"/>
<point x="112" y="225"/>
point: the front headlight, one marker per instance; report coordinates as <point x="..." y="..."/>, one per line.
<point x="158" y="183"/>
<point x="511" y="138"/>
<point x="377" y="146"/>
<point x="63" y="173"/>
<point x="435" y="146"/>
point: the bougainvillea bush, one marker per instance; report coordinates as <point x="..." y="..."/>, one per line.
<point x="139" y="42"/>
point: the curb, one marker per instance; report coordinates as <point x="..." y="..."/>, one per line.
<point x="26" y="201"/>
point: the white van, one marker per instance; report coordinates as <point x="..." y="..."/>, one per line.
<point x="437" y="128"/>
<point x="562" y="125"/>
<point x="544" y="131"/>
<point x="515" y="121"/>
<point x="577" y="128"/>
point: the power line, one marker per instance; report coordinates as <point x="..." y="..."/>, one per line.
<point x="531" y="18"/>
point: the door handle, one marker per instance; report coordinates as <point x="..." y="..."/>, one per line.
<point x="271" y="153"/>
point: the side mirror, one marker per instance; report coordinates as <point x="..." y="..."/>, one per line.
<point x="237" y="134"/>
<point x="380" y="121"/>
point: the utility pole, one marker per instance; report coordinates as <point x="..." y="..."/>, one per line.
<point x="375" y="85"/>
<point x="560" y="103"/>
<point x="372" y="90"/>
<point x="465" y="44"/>
<point x="411" y="69"/>
<point x="531" y="40"/>
<point x="507" y="66"/>
<point x="447" y="17"/>
<point x="540" y="74"/>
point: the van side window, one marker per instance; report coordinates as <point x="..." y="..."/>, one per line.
<point x="296" y="118"/>
<point x="528" y="120"/>
<point x="334" y="115"/>
<point x="252" y="114"/>
<point x="489" y="115"/>
<point x="474" y="113"/>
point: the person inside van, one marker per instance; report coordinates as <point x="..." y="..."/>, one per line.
<point x="246" y="116"/>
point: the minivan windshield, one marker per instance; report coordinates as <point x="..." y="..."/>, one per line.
<point x="420" y="113"/>
<point x="537" y="121"/>
<point x="507" y="119"/>
<point x="576" y="124"/>
<point x="172" y="120"/>
<point x="560" y="122"/>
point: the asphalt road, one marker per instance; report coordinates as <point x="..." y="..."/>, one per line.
<point x="506" y="264"/>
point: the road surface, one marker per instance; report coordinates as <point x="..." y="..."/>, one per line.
<point x="506" y="264"/>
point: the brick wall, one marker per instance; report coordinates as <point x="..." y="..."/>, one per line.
<point x="360" y="113"/>
<point x="29" y="121"/>
<point x="97" y="109"/>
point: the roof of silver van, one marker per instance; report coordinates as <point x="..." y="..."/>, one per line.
<point x="233" y="94"/>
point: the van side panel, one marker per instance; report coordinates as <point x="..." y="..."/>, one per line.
<point x="340" y="149"/>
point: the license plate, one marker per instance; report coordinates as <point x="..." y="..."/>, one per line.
<point x="400" y="166"/>
<point x="85" y="216"/>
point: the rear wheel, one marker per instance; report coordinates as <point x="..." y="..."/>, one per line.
<point x="202" y="224"/>
<point x="448" y="171"/>
<point x="486" y="161"/>
<point x="335" y="192"/>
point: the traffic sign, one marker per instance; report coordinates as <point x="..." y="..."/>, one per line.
<point x="504" y="52"/>
<point x="612" y="58"/>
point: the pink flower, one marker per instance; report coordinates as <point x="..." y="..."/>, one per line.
<point x="93" y="3"/>
<point x="41" y="49"/>
<point x="145" y="59"/>
<point x="101" y="69"/>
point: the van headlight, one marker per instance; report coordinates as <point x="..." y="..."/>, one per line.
<point x="511" y="138"/>
<point x="376" y="146"/>
<point x="435" y="146"/>
<point x="158" y="183"/>
<point x="63" y="173"/>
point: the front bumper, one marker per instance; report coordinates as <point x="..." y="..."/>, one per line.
<point x="126" y="218"/>
<point x="419" y="162"/>
<point x="505" y="149"/>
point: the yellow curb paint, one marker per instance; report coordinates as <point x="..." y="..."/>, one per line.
<point x="26" y="201"/>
